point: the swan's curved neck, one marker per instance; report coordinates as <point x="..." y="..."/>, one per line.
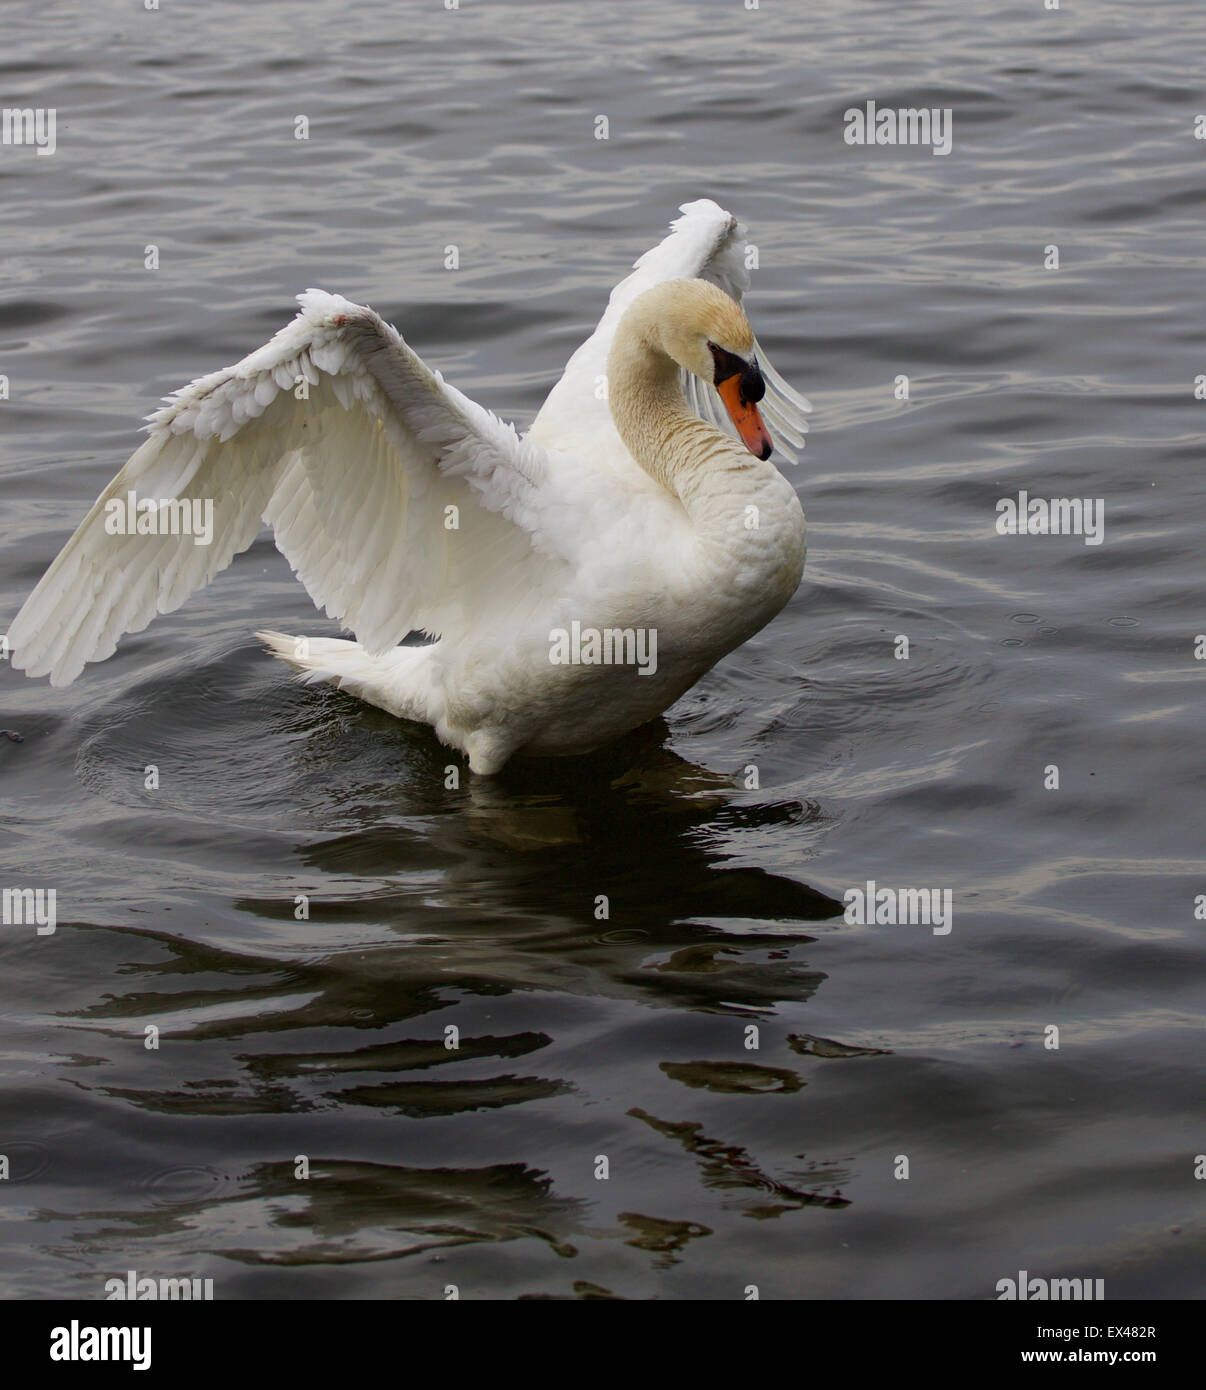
<point x="672" y="444"/>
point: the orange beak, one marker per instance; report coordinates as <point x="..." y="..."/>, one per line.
<point x="745" y="417"/>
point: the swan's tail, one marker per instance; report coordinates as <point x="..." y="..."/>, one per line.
<point x="398" y="682"/>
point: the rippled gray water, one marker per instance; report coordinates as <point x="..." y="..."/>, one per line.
<point x="626" y="1038"/>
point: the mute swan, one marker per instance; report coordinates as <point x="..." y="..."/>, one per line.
<point x="578" y="579"/>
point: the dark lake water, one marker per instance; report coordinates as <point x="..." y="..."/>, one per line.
<point x="626" y="1039"/>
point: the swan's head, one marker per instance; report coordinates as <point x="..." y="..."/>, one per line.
<point x="706" y="332"/>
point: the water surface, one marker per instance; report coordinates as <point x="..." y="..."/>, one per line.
<point x="474" y="909"/>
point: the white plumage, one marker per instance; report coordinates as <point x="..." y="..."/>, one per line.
<point x="402" y="506"/>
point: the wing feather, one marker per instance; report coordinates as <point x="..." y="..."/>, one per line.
<point x="399" y="503"/>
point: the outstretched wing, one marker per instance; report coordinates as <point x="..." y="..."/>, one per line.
<point x="400" y="504"/>
<point x="705" y="243"/>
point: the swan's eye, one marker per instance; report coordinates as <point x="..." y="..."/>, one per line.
<point x="728" y="364"/>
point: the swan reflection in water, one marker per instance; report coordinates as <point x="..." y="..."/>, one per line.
<point x="474" y="907"/>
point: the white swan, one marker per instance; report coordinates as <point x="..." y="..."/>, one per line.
<point x="579" y="579"/>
